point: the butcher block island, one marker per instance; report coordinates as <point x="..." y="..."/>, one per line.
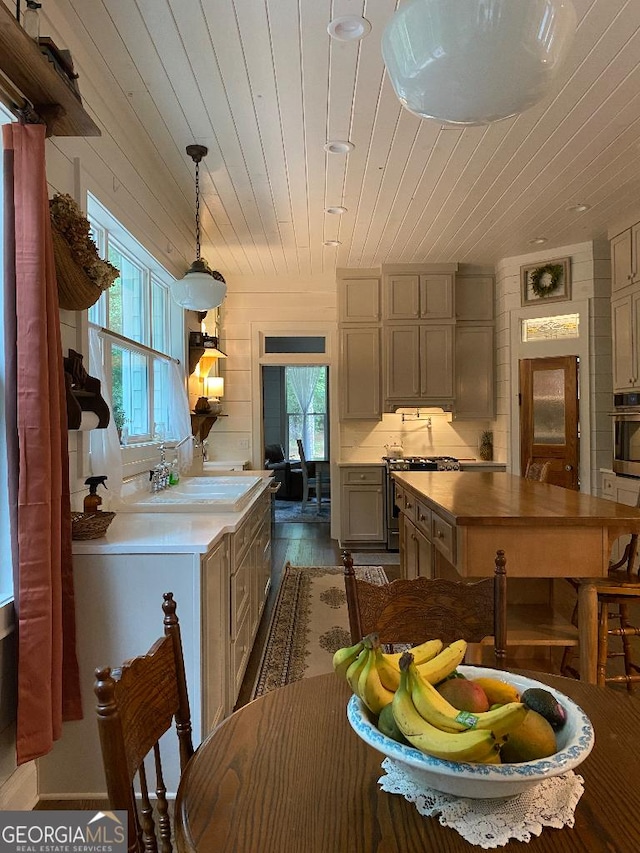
<point x="456" y="521"/>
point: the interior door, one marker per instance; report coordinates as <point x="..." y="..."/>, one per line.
<point x="549" y="428"/>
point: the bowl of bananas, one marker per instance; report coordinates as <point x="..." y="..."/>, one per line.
<point x="492" y="734"/>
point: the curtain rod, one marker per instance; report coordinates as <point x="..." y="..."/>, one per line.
<point x="135" y="345"/>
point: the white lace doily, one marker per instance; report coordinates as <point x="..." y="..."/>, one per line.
<point x="491" y="823"/>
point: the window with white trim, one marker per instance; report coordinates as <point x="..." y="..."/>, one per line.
<point x="144" y="330"/>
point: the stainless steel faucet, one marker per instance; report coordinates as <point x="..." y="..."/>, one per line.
<point x="159" y="475"/>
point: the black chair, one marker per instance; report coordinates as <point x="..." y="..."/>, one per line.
<point x="288" y="474"/>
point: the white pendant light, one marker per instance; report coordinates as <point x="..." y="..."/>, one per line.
<point x="201" y="288"/>
<point x="468" y="62"/>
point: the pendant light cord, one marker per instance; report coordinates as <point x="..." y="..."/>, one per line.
<point x="198" y="210"/>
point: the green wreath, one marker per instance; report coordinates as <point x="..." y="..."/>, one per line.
<point x="554" y="271"/>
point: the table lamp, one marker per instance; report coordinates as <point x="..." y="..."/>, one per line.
<point x="214" y="388"/>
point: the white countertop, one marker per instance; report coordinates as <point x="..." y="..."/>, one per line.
<point x="163" y="532"/>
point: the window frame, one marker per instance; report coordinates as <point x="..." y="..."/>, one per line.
<point x="108" y="231"/>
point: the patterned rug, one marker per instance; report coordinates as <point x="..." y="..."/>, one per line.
<point x="292" y="511"/>
<point x="309" y="623"/>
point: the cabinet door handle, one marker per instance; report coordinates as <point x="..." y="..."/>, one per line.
<point x="408" y="505"/>
<point x="439" y="534"/>
<point x="423" y="517"/>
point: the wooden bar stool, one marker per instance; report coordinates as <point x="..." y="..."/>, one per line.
<point x="615" y="593"/>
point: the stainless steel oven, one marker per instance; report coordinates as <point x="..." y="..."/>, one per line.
<point x="626" y="434"/>
<point x="410" y="463"/>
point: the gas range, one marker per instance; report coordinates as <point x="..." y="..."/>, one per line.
<point x="422" y="463"/>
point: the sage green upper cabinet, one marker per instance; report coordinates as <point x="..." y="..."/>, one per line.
<point x="359" y="300"/>
<point x="360" y="372"/>
<point x="418" y="364"/>
<point x="625" y="257"/>
<point x="360" y="376"/>
<point x="474" y="298"/>
<point x="425" y="296"/>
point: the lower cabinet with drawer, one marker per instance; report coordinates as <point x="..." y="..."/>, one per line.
<point x="362" y="505"/>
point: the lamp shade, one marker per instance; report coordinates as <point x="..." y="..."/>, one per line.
<point x="214" y="386"/>
<point x="201" y="288"/>
<point x="470" y="62"/>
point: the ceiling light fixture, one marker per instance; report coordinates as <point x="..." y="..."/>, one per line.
<point x="537" y="240"/>
<point x="338" y="211"/>
<point x="579" y="208"/>
<point x="349" y="28"/>
<point x="338" y="146"/>
<point x="201" y="288"/>
<point x="470" y="62"/>
<point x="332" y="243"/>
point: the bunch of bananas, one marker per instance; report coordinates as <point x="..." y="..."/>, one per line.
<point x="426" y="719"/>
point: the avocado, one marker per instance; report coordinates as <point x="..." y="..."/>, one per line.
<point x="546" y="704"/>
<point x="388" y="725"/>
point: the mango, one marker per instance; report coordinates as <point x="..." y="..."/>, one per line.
<point x="498" y="692"/>
<point x="532" y="739"/>
<point x="464" y="694"/>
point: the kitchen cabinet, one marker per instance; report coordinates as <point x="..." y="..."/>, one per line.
<point x="625" y="327"/>
<point x="474" y="372"/>
<point x="360" y="373"/>
<point x="427" y="296"/>
<point x="362" y="505"/>
<point x="474" y="298"/>
<point x="360" y="339"/>
<point x="625" y="254"/>
<point x="220" y="592"/>
<point x="419" y="360"/>
<point x="359" y="300"/>
<point x="418" y="549"/>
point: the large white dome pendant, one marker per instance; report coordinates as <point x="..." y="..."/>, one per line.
<point x="469" y="62"/>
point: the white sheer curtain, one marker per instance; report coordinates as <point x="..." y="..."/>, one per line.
<point x="106" y="456"/>
<point x="179" y="425"/>
<point x="303" y="381"/>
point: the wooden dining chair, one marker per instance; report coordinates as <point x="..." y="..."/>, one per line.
<point x="537" y="471"/>
<point x="137" y="704"/>
<point x="616" y="595"/>
<point x="309" y="475"/>
<point x="412" y="611"/>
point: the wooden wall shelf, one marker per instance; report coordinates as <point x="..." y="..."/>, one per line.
<point x="31" y="73"/>
<point x="201" y="424"/>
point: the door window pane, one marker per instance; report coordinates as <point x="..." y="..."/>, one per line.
<point x="548" y="407"/>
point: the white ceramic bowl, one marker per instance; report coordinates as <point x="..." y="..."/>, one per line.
<point x="575" y="741"/>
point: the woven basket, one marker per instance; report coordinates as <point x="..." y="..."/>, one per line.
<point x="90" y="525"/>
<point x="76" y="291"/>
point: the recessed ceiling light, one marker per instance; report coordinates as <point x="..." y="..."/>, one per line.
<point x="538" y="240"/>
<point x="336" y="210"/>
<point x="579" y="208"/>
<point x="332" y="243"/>
<point x="349" y="28"/>
<point x="338" y="146"/>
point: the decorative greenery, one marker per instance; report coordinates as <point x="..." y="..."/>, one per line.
<point x="119" y="416"/>
<point x="72" y="224"/>
<point x="540" y="285"/>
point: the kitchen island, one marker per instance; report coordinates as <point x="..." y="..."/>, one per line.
<point x="545" y="531"/>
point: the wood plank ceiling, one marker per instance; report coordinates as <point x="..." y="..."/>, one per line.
<point x="261" y="83"/>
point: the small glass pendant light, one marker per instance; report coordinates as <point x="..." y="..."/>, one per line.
<point x="201" y="288"/>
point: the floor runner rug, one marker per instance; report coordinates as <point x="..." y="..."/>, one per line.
<point x="293" y="511"/>
<point x="309" y="623"/>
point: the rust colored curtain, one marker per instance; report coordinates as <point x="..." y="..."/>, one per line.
<point x="48" y="680"/>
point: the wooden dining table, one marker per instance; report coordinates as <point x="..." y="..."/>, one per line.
<point x="287" y="774"/>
